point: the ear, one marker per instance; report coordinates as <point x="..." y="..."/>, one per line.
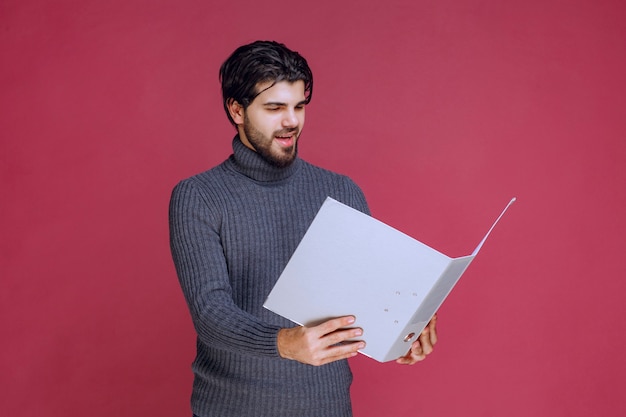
<point x="236" y="111"/>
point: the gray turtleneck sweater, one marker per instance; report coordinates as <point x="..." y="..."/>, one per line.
<point x="232" y="230"/>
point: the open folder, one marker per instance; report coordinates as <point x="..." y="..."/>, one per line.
<point x="349" y="263"/>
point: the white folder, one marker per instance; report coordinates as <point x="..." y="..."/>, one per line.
<point x="349" y="263"/>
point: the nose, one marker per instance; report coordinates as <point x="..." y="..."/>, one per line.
<point x="290" y="119"/>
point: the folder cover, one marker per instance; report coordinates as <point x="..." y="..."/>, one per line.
<point x="349" y="263"/>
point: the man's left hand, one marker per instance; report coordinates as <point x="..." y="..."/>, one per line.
<point x="423" y="346"/>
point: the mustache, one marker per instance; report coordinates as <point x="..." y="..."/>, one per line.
<point x="286" y="132"/>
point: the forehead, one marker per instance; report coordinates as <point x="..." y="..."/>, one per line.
<point x="281" y="92"/>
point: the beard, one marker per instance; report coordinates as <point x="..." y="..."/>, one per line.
<point x="262" y="144"/>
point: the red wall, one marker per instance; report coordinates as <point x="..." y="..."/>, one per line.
<point x="441" y="110"/>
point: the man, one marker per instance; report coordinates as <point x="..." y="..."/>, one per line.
<point x="233" y="229"/>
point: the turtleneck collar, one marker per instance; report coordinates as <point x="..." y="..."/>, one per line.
<point x="249" y="163"/>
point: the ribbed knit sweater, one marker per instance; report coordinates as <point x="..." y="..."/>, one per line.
<point x="233" y="229"/>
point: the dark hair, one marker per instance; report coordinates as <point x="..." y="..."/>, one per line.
<point x="260" y="62"/>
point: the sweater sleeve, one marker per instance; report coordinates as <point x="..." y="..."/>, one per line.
<point x="360" y="202"/>
<point x="203" y="274"/>
<point x="351" y="195"/>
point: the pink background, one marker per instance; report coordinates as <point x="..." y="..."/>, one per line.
<point x="441" y="110"/>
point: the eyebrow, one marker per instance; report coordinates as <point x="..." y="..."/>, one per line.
<point x="281" y="104"/>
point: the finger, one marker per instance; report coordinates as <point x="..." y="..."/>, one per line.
<point x="344" y="350"/>
<point x="433" y="330"/>
<point x="410" y="358"/>
<point x="425" y="342"/>
<point x="414" y="355"/>
<point x="333" y="325"/>
<point x="406" y="360"/>
<point x="416" y="348"/>
<point x="336" y="352"/>
<point x="428" y="337"/>
<point x="343" y="335"/>
<point x="329" y="359"/>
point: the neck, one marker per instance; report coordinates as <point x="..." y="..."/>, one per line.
<point x="251" y="164"/>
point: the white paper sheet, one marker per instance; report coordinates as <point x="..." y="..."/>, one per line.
<point x="349" y="263"/>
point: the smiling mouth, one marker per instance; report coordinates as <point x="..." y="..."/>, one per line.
<point x="286" y="139"/>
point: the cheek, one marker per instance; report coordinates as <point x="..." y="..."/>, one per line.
<point x="263" y="124"/>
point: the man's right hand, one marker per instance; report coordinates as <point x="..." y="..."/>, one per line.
<point x="321" y="344"/>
